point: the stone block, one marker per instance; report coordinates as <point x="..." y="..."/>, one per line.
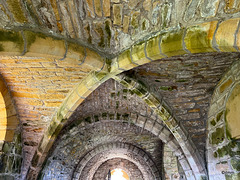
<point x="171" y="43"/>
<point x="153" y="49"/>
<point x="156" y="128"/>
<point x="98" y="7"/>
<point x="41" y="45"/>
<point x="124" y="60"/>
<point x="126" y="20"/>
<point x="209" y="8"/>
<point x="17" y="10"/>
<point x="90" y="9"/>
<point x="106" y="8"/>
<point x="117" y="14"/>
<point x="149" y="124"/>
<point x="11" y="42"/>
<point x="138" y="54"/>
<point x="225" y="36"/>
<point x="199" y="38"/>
<point x="232" y="6"/>
<point x="95" y="61"/>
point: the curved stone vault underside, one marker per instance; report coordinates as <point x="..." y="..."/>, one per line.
<point x="100" y="142"/>
<point x="146" y="69"/>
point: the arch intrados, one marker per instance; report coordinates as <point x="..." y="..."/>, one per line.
<point x="124" y="62"/>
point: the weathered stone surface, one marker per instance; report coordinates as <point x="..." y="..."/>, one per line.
<point x="117" y="11"/>
<point x="171" y="43"/>
<point x="58" y="43"/>
<point x="199" y="39"/>
<point x="232" y="112"/>
<point x="225" y="36"/>
<point x="209" y="8"/>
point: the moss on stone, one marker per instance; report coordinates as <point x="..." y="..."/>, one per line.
<point x="104" y="115"/>
<point x="168" y="88"/>
<point x="228" y="133"/>
<point x="118" y="116"/>
<point x="113" y="95"/>
<point x="1" y="48"/>
<point x="12" y="36"/>
<point x="197" y="40"/>
<point x="101" y="34"/>
<point x="213" y="122"/>
<point x="235" y="164"/>
<point x="88" y="30"/>
<point x="88" y="120"/>
<point x="223" y="151"/>
<point x="125" y="116"/>
<point x="100" y="75"/>
<point x="32" y="36"/>
<point x="144" y="25"/>
<point x="117" y="104"/>
<point x="232" y="176"/>
<point x="149" y="103"/>
<point x="142" y="89"/>
<point x="134" y="20"/>
<point x="219" y="115"/>
<point x="172" y="43"/>
<point x="96" y="118"/>
<point x="6" y="147"/>
<point x="108" y="32"/>
<point x="16" y="9"/>
<point x="109" y="64"/>
<point x="181" y="80"/>
<point x="218" y="136"/>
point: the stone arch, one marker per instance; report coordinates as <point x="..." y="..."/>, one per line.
<point x="10" y="135"/>
<point x="164" y="114"/>
<point x="158" y="129"/>
<point x="223" y="124"/>
<point x="82" y="151"/>
<point x="158" y="47"/>
<point x="8" y="118"/>
<point x="123" y="148"/>
<point x="117" y="163"/>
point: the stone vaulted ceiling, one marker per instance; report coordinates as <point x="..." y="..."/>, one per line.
<point x="148" y="86"/>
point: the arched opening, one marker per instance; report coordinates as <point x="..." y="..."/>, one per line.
<point x="8" y="116"/>
<point x="119" y="174"/>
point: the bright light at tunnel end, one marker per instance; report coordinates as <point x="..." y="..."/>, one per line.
<point x="119" y="174"/>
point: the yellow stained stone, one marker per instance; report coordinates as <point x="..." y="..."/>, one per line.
<point x="225" y="35"/>
<point x="233" y="112"/>
<point x="98" y="8"/>
<point x="75" y="52"/>
<point x="152" y="49"/>
<point x="225" y="85"/>
<point x="46" y="46"/>
<point x="198" y="38"/>
<point x="106" y="8"/>
<point x="126" y="24"/>
<point x="124" y="60"/>
<point x="138" y="54"/>
<point x="94" y="60"/>
<point x="171" y="43"/>
<point x="11" y="42"/>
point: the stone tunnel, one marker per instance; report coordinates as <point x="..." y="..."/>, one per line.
<point x="120" y="89"/>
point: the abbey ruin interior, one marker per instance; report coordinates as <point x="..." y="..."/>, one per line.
<point x="147" y="89"/>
